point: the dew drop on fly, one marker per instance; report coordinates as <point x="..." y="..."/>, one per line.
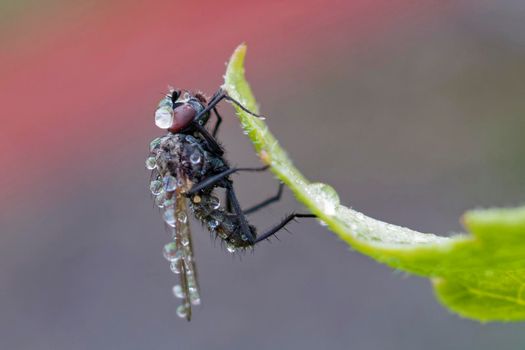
<point x="155" y="187"/>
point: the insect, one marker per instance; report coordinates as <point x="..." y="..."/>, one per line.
<point x="187" y="165"/>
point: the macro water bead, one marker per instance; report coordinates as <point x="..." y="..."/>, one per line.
<point x="230" y="247"/>
<point x="171" y="252"/>
<point x="169" y="182"/>
<point x="160" y="200"/>
<point x="195" y="158"/>
<point x="164" y="117"/>
<point x="178" y="292"/>
<point x="151" y="163"/>
<point x="155" y="187"/>
<point x="195" y="298"/>
<point x="175" y="267"/>
<point x="169" y="217"/>
<point x="214" y="202"/>
<point x="182" y="311"/>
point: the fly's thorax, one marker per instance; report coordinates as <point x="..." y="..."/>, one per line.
<point x="178" y="161"/>
<point x="183" y="152"/>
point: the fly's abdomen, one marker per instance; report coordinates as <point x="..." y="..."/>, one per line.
<point x="207" y="209"/>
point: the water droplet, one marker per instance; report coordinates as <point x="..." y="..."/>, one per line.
<point x="212" y="224"/>
<point x="178" y="292"/>
<point x="164" y="117"/>
<point x="325" y="196"/>
<point x="171" y="252"/>
<point x="182" y="217"/>
<point x="151" y="163"/>
<point x="174" y="267"/>
<point x="155" y="187"/>
<point x="214" y="202"/>
<point x="230" y="247"/>
<point x="160" y="199"/>
<point x="195" y="297"/>
<point x="244" y="237"/>
<point x="182" y="311"/>
<point x="154" y="144"/>
<point x="170" y="183"/>
<point x="190" y="139"/>
<point x="169" y="217"/>
<point x="195" y="158"/>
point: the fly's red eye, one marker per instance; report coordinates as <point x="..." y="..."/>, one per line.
<point x="183" y="115"/>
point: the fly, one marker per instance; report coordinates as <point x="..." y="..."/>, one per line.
<point x="187" y="165"/>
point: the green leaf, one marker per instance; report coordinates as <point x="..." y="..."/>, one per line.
<point x="479" y="276"/>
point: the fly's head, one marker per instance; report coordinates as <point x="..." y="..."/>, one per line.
<point x="179" y="109"/>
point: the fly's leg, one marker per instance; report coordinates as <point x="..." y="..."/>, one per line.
<point x="210" y="140"/>
<point x="216" y="178"/>
<point x="219" y="177"/>
<point x="281" y="225"/>
<point x="219" y="121"/>
<point x="233" y="203"/>
<point x="218" y="97"/>
<point x="236" y="207"/>
<point x="245" y="230"/>
<point x="258" y="206"/>
<point x="228" y="204"/>
<point x="212" y="180"/>
<point x="266" y="202"/>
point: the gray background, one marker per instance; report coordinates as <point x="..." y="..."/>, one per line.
<point x="413" y="129"/>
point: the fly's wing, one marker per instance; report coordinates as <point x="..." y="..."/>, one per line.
<point x="181" y="251"/>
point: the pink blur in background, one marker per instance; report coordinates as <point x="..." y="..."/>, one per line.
<point x="413" y="111"/>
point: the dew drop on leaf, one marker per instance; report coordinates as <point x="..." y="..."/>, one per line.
<point x="325" y="196"/>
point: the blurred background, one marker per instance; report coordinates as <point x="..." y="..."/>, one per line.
<point x="413" y="110"/>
